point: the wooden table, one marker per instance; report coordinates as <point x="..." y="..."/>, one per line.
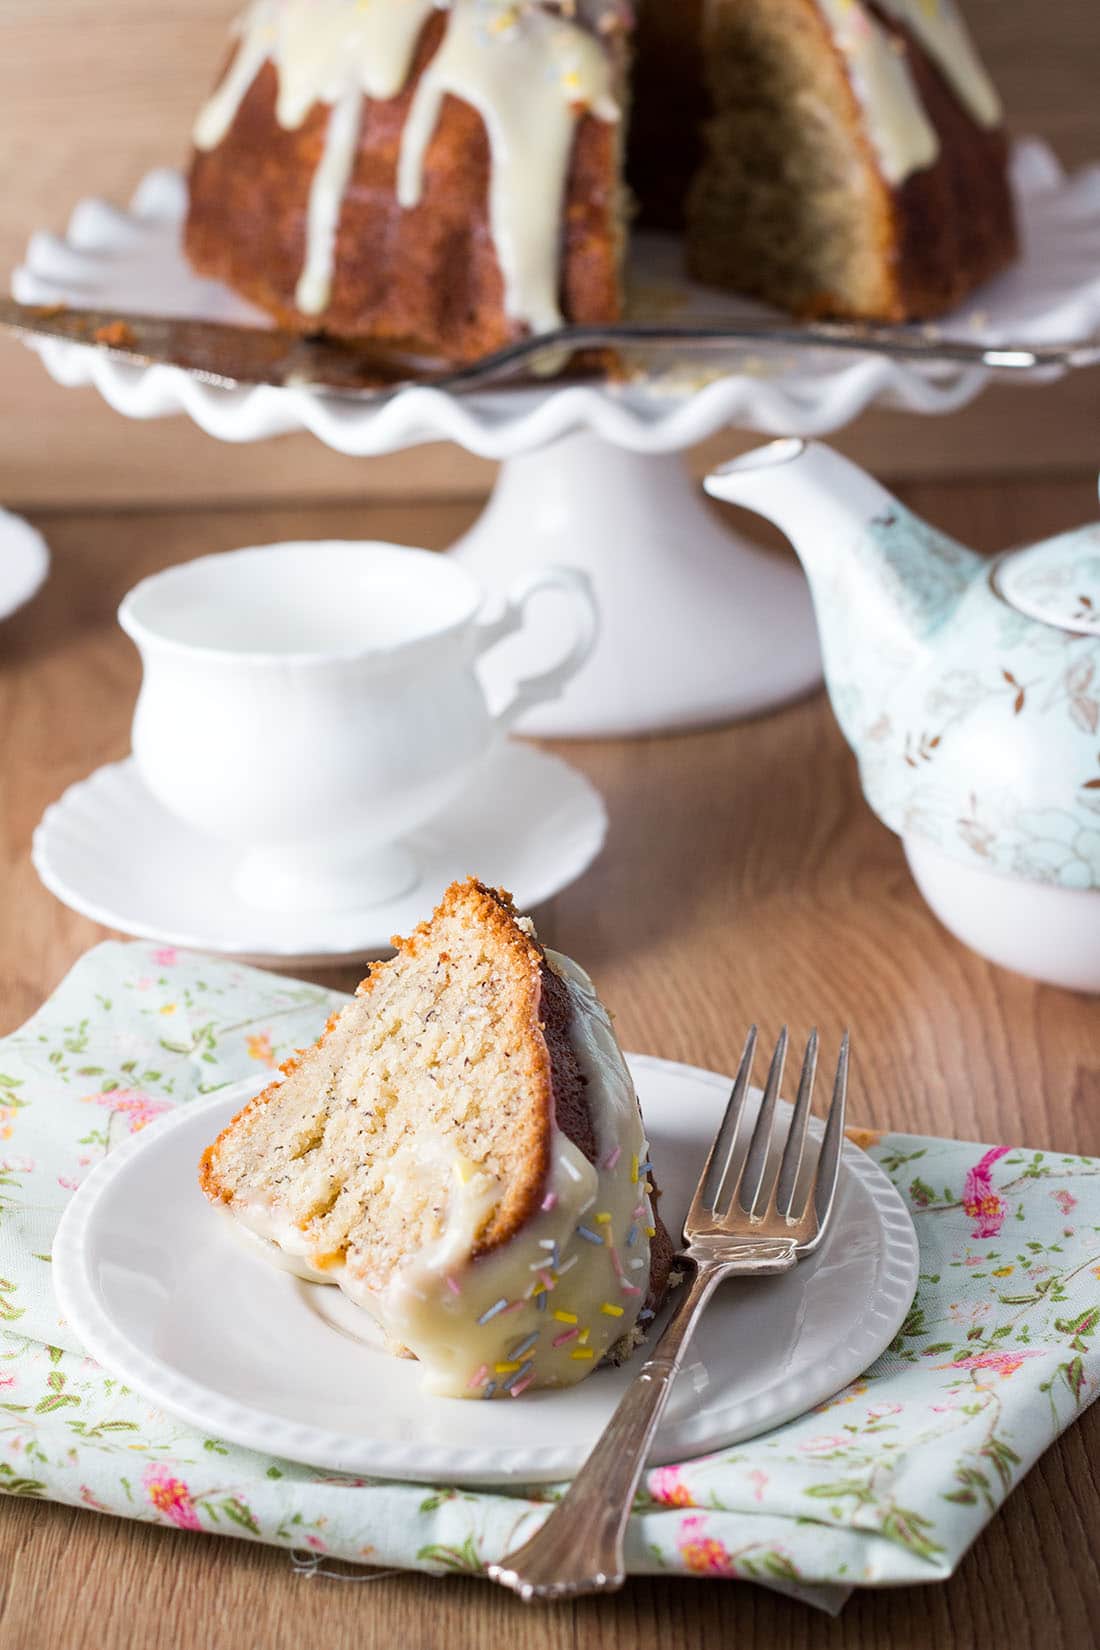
<point x="743" y="878"/>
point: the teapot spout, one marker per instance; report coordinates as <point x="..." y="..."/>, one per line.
<point x="883" y="581"/>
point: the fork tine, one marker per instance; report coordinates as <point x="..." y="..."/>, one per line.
<point x="756" y="1162"/>
<point x="791" y="1165"/>
<point x="718" y="1159"/>
<point x="823" y="1190"/>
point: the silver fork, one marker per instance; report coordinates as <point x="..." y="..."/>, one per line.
<point x="742" y="1223"/>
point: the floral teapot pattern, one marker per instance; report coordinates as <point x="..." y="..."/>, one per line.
<point x="969" y="689"/>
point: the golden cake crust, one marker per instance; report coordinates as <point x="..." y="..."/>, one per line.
<point x="426" y="277"/>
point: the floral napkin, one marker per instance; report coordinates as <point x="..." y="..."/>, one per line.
<point x="889" y="1482"/>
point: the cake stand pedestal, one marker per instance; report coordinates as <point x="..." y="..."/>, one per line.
<point x="698" y="625"/>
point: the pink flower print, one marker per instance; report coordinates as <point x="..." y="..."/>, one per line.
<point x="701" y="1553"/>
<point x="969" y="1312"/>
<point x="8" y="1114"/>
<point x="316" y="1543"/>
<point x="824" y="1445"/>
<point x="7" y="1380"/>
<point x="985" y="1206"/>
<point x="1065" y="1201"/>
<point x="166" y="957"/>
<point x="170" y="1496"/>
<point x="1001" y="1363"/>
<point x="259" y="1048"/>
<point x="137" y="1108"/>
<point x="758" y="1478"/>
<point x="667" y="1487"/>
<point x="16" y="1165"/>
<point x="879" y="1412"/>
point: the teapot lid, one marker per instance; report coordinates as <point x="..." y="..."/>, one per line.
<point x="1057" y="582"/>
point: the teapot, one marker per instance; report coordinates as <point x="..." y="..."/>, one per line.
<point x="969" y="690"/>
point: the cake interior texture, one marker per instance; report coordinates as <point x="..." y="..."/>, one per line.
<point x="443" y="1151"/>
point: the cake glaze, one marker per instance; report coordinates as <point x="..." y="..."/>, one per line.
<point x="898" y="124"/>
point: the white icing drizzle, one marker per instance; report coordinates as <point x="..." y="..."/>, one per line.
<point x="546" y="1307"/>
<point x="527" y="73"/>
<point x="904" y="138"/>
<point x="326" y="200"/>
<point x="940" y="29"/>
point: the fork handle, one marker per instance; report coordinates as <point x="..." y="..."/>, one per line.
<point x="579" y="1549"/>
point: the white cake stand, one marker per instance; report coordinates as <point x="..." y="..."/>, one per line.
<point x="699" y="625"/>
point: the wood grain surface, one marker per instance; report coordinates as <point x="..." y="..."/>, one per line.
<point x="743" y="878"/>
<point x="93" y="93"/>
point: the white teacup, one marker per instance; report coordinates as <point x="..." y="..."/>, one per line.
<point x="312" y="704"/>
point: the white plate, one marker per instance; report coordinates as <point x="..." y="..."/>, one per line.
<point x="530" y="823"/>
<point x="133" y="260"/>
<point x="160" y="1289"/>
<point x="24" y="562"/>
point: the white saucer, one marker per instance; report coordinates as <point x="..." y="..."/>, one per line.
<point x="24" y="562"/>
<point x="530" y="823"/>
<point x="160" y="1289"/>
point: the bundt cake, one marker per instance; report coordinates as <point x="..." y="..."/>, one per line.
<point x="462" y="1152"/>
<point x="448" y="174"/>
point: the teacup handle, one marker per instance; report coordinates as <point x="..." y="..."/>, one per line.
<point x="546" y="684"/>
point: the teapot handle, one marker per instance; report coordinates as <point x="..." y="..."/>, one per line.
<point x="546" y="684"/>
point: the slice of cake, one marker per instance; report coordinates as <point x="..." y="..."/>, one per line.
<point x="855" y="162"/>
<point x="462" y="1152"/>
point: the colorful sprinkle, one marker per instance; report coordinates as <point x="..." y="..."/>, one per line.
<point x="566" y="1335"/>
<point x="549" y="1202"/>
<point x="546" y="1280"/>
<point x="542" y="1301"/>
<point x="491" y="1311"/>
<point x="610" y="1310"/>
<point x="567" y="1265"/>
<point x="566" y="1317"/>
<point x="636" y="1263"/>
<point x="616" y="1263"/>
<point x="508" y="1367"/>
<point x="571" y="1169"/>
<point x="644" y="1168"/>
<point x="489" y="1390"/>
<point x="582" y="1338"/>
<point x="602" y="1218"/>
<point x="612" y="1158"/>
<point x="628" y="1288"/>
<point x="641" y="1212"/>
<point x="589" y="1235"/>
<point x="651" y="1231"/>
<point x="582" y="1352"/>
<point x="634" y="1170"/>
<point x="524" y="1346"/>
<point x="520" y="1374"/>
<point x="477" y="1377"/>
<point x="521" y="1386"/>
<point x="514" y="1307"/>
<point x="632" y="1236"/>
<point x="643" y="1316"/>
<point x="453" y="1287"/>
